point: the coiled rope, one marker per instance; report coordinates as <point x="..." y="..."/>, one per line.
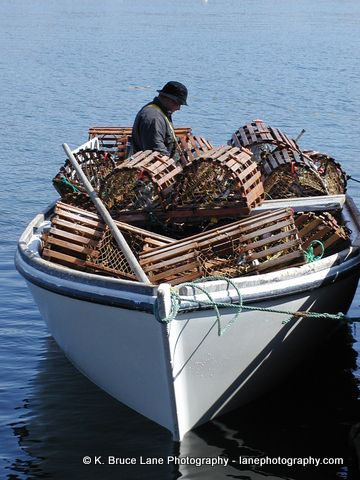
<point x="239" y="306"/>
<point x="309" y="252"/>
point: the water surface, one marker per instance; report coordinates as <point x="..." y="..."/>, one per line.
<point x="69" y="65"/>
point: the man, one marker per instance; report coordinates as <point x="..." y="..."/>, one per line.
<point x="153" y="129"/>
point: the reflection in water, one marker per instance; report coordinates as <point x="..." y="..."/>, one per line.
<point x="67" y="418"/>
<point x="309" y="416"/>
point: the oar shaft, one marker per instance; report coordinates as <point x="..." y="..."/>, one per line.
<point x="105" y="215"/>
<point x="300" y="135"/>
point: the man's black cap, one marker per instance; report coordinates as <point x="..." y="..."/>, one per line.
<point x="176" y="91"/>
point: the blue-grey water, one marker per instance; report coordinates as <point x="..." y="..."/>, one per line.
<point x="71" y="64"/>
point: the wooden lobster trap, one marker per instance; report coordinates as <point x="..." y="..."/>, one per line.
<point x="333" y="176"/>
<point x="79" y="239"/>
<point x="192" y="147"/>
<point x="288" y="173"/>
<point x="323" y="231"/>
<point x="264" y="242"/>
<point x="118" y="139"/>
<point x="142" y="182"/>
<point x="261" y="139"/>
<point x="96" y="164"/>
<point x="222" y="179"/>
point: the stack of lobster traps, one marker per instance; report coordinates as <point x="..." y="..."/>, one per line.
<point x="260" y="243"/>
<point x="198" y="185"/>
<point x="286" y="170"/>
<point x="207" y="197"/>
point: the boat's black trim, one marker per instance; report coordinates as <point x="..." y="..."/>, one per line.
<point x="78" y="294"/>
<point x="129" y="304"/>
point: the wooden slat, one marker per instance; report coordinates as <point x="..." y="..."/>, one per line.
<point x="173" y="271"/>
<point x="79" y="219"/>
<point x="273" y="250"/>
<point x="164" y="252"/>
<point x="121" y="225"/>
<point x="283" y="260"/>
<point x="63" y="257"/>
<point x="73" y="237"/>
<point x="71" y="247"/>
<point x="90" y="232"/>
<point x="274" y="238"/>
<point x="167" y="263"/>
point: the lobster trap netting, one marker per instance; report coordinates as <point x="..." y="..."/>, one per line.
<point x="261" y="139"/>
<point x="79" y="199"/>
<point x="289" y="174"/>
<point x="261" y="243"/>
<point x="80" y="239"/>
<point x="330" y="171"/>
<point x="223" y="176"/>
<point x="109" y="256"/>
<point x="142" y="182"/>
<point x="95" y="164"/>
<point x="323" y="231"/>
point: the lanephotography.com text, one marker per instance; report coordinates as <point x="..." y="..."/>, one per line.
<point x="213" y="461"/>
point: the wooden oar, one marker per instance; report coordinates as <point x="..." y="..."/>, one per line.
<point x="105" y="215"/>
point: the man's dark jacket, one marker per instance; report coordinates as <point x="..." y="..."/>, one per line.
<point x="151" y="130"/>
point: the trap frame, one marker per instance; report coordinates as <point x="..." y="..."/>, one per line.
<point x="323" y="228"/>
<point x="261" y="139"/>
<point x="288" y="173"/>
<point x="118" y="139"/>
<point x="80" y="239"/>
<point x="224" y="177"/>
<point x="143" y="181"/>
<point x="333" y="176"/>
<point x="257" y="244"/>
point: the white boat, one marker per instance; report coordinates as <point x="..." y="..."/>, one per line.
<point x="183" y="373"/>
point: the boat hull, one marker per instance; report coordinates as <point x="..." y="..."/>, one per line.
<point x="183" y="373"/>
<point x="124" y="352"/>
<point x="215" y="374"/>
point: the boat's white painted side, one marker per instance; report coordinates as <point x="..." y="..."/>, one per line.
<point x="214" y="374"/>
<point x="124" y="352"/>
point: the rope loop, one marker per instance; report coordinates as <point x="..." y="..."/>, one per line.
<point x="309" y="252"/>
<point x="239" y="306"/>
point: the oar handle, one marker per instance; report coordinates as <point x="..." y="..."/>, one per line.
<point x="105" y="215"/>
<point x="300" y="135"/>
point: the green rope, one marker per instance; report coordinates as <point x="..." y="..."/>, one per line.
<point x="66" y="182"/>
<point x="309" y="253"/>
<point x="176" y="303"/>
